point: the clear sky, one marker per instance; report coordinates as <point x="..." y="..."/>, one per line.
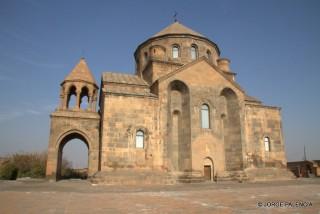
<point x="273" y="46"/>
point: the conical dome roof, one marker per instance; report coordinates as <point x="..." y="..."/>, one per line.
<point x="177" y="28"/>
<point x="81" y="72"/>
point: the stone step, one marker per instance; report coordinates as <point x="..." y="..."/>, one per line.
<point x="269" y="173"/>
<point x="190" y="180"/>
<point x="189" y="177"/>
<point x="132" y="177"/>
<point x="233" y="176"/>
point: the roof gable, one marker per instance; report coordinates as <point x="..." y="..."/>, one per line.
<point x="196" y="62"/>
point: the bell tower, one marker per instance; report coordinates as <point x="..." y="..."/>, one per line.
<point x="81" y="84"/>
<point x="75" y="118"/>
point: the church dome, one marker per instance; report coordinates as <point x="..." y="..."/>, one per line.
<point x="175" y="29"/>
<point x="176" y="44"/>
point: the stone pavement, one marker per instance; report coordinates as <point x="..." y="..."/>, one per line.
<point x="72" y="196"/>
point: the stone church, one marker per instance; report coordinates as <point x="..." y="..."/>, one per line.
<point x="180" y="117"/>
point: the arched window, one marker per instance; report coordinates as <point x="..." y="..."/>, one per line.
<point x="209" y="56"/>
<point x="194" y="52"/>
<point x="84" y="98"/>
<point x="140" y="139"/>
<point x="175" y="51"/>
<point x="267" y="147"/>
<point x="145" y="56"/>
<point x="72" y="97"/>
<point x="205" y="115"/>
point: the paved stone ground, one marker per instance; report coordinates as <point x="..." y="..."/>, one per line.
<point x="71" y="196"/>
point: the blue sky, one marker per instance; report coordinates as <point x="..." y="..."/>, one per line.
<point x="273" y="46"/>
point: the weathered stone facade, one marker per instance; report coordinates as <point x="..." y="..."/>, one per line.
<point x="181" y="115"/>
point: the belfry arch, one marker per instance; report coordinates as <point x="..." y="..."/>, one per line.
<point x="69" y="122"/>
<point x="72" y="93"/>
<point x="84" y="98"/>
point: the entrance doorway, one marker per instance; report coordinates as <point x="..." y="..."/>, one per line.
<point x="208" y="169"/>
<point x="207" y="172"/>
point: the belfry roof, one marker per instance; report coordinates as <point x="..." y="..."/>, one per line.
<point x="177" y="28"/>
<point x="81" y="72"/>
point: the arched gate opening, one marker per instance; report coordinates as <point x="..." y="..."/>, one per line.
<point x="65" y="169"/>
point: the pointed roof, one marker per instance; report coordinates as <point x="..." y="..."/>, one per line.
<point x="177" y="28"/>
<point x="81" y="72"/>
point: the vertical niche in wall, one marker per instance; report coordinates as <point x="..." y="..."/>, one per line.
<point x="179" y="127"/>
<point x="232" y="131"/>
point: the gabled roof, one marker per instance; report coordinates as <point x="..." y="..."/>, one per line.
<point x="177" y="28"/>
<point x="121" y="78"/>
<point x="81" y="72"/>
<point x="252" y="99"/>
<point x="235" y="84"/>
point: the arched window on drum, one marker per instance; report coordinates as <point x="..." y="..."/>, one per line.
<point x="175" y="51"/>
<point x="194" y="52"/>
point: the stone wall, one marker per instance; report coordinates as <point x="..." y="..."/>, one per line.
<point x="149" y="51"/>
<point x="263" y="121"/>
<point x="127" y="89"/>
<point x="157" y="68"/>
<point x="122" y="117"/>
<point x="67" y="125"/>
<point x="205" y="143"/>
